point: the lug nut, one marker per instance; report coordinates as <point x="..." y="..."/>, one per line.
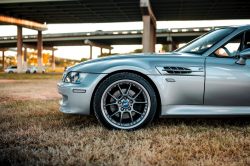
<point x="122" y="109"/>
<point x="131" y="101"/>
<point x="129" y="108"/>
<point x="119" y="102"/>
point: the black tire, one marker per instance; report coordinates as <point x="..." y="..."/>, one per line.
<point x="10" y="71"/>
<point x="28" y="71"/>
<point x="146" y="94"/>
<point x="34" y="71"/>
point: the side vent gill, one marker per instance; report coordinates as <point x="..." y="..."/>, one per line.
<point x="171" y="70"/>
<point x="177" y="70"/>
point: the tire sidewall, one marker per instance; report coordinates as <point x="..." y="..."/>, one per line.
<point x="117" y="77"/>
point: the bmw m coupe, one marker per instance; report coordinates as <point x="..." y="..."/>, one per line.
<point x="208" y="77"/>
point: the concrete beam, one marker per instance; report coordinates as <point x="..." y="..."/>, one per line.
<point x="19" y="50"/>
<point x="4" y="49"/>
<point x="21" y="22"/>
<point x="8" y="49"/>
<point x="147" y="10"/>
<point x="35" y="47"/>
<point x="39" y="52"/>
<point x="92" y="43"/>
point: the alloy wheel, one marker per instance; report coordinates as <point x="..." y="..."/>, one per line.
<point x="125" y="104"/>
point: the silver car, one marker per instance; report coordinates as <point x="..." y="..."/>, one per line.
<point x="33" y="69"/>
<point x="208" y="77"/>
<point x="10" y="69"/>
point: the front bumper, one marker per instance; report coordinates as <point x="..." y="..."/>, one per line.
<point x="75" y="100"/>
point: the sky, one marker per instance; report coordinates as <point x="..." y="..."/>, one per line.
<point x="78" y="52"/>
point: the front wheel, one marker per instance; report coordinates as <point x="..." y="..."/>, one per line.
<point x="125" y="101"/>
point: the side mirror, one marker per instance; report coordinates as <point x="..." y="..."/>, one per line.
<point x="244" y="55"/>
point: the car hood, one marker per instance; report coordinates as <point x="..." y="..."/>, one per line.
<point x="145" y="61"/>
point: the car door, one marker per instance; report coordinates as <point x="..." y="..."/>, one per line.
<point x="227" y="83"/>
<point x="14" y="69"/>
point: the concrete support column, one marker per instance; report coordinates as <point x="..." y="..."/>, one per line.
<point x="90" y="57"/>
<point x="109" y="51"/>
<point x="25" y="57"/>
<point x="101" y="52"/>
<point x="3" y="60"/>
<point x="149" y="35"/>
<point x="176" y="45"/>
<point x="53" y="61"/>
<point x="152" y="37"/>
<point x="170" y="47"/>
<point x="19" y="50"/>
<point x="146" y="34"/>
<point x="39" y="52"/>
<point x="149" y="27"/>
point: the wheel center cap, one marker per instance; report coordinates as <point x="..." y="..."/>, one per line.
<point x="125" y="104"/>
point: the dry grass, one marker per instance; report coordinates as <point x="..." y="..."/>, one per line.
<point x="34" y="132"/>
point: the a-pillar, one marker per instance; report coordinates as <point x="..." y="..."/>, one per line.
<point x="101" y="52"/>
<point x="3" y="62"/>
<point x="39" y="52"/>
<point x="90" y="57"/>
<point x="19" y="50"/>
<point x="25" y="57"/>
<point x="109" y="51"/>
<point x="53" y="61"/>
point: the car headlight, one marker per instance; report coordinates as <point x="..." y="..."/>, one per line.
<point x="75" y="77"/>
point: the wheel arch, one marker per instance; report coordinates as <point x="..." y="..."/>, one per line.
<point x="158" y="97"/>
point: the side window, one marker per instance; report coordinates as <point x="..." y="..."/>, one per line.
<point x="246" y="43"/>
<point x="14" y="67"/>
<point x="231" y="49"/>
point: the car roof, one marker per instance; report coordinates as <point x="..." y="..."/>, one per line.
<point x="241" y="26"/>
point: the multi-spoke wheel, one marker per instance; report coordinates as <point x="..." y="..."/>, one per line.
<point x="125" y="101"/>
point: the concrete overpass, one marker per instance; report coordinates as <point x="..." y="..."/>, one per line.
<point x="103" y="39"/>
<point x="107" y="38"/>
<point x="34" y="13"/>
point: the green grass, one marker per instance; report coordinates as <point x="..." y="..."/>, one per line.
<point x="34" y="132"/>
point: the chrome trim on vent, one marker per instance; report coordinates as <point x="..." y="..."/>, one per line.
<point x="189" y="71"/>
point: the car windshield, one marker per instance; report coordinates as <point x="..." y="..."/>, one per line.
<point x="204" y="42"/>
